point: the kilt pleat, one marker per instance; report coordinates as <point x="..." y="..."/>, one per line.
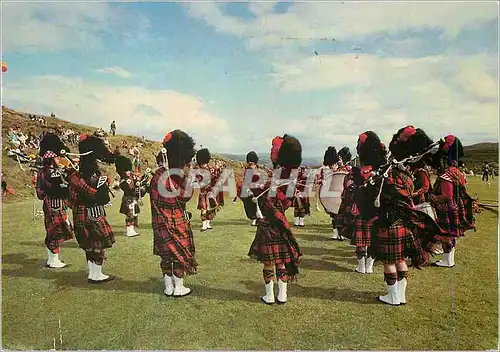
<point x="364" y="231"/>
<point x="124" y="207"/>
<point x="302" y="207"/>
<point x="173" y="238"/>
<point x="274" y="244"/>
<point x="56" y="227"/>
<point x="397" y="242"/>
<point x="92" y="233"/>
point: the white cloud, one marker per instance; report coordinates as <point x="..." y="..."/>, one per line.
<point x="45" y="27"/>
<point x="306" y="20"/>
<point x="119" y="71"/>
<point x="137" y="111"/>
<point x="333" y="71"/>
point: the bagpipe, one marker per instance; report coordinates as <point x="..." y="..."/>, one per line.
<point x="382" y="173"/>
<point x="272" y="186"/>
<point x="164" y="165"/>
<point x="67" y="165"/>
<point x="143" y="185"/>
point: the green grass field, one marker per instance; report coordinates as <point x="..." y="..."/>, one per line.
<point x="330" y="307"/>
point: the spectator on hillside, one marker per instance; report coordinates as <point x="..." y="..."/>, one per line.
<point x="486" y="171"/>
<point x="52" y="114"/>
<point x="113" y="128"/>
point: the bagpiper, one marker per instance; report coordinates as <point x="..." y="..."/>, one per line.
<point x="401" y="228"/>
<point x="171" y="189"/>
<point x="372" y="154"/>
<point x="131" y="194"/>
<point x="454" y="206"/>
<point x="249" y="175"/>
<point x="274" y="244"/>
<point x="344" y="157"/>
<point x="52" y="189"/>
<point x="89" y="193"/>
<point x="206" y="204"/>
<point x="301" y="201"/>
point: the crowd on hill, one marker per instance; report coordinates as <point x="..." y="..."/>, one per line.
<point x="23" y="142"/>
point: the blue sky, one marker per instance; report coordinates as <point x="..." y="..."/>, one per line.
<point x="236" y="75"/>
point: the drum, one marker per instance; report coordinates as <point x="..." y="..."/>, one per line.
<point x="330" y="190"/>
<point x="428" y="209"/>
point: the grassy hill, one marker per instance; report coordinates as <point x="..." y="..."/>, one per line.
<point x="20" y="180"/>
<point x="477" y="154"/>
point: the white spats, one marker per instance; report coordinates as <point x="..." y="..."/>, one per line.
<point x="53" y="260"/>
<point x="401" y="286"/>
<point x="169" y="285"/>
<point x="297" y="220"/>
<point x="269" y="297"/>
<point x="90" y="266"/>
<point x="130" y="232"/>
<point x="282" y="293"/>
<point x="209" y="225"/>
<point x="179" y="289"/>
<point x="301" y="222"/>
<point x="361" y="268"/>
<point x="369" y="265"/>
<point x="448" y="260"/>
<point x="96" y="275"/>
<point x="254" y="222"/>
<point x="392" y="297"/>
<point x="204" y="226"/>
<point x="335" y="234"/>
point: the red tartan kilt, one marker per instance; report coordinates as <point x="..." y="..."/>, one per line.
<point x="94" y="234"/>
<point x="220" y="198"/>
<point x="305" y="209"/>
<point x="364" y="231"/>
<point x="448" y="218"/>
<point x="202" y="202"/>
<point x="58" y="230"/>
<point x="173" y="239"/>
<point x="396" y="242"/>
<point x="273" y="245"/>
<point x="124" y="207"/>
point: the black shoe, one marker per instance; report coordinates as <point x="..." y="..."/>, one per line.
<point x="110" y="278"/>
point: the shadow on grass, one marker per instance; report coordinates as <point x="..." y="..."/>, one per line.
<point x="327" y="251"/>
<point x="351" y="260"/>
<point x="335" y="294"/>
<point x="320" y="237"/>
<point x="316" y="264"/>
<point x="65" y="279"/>
<point x="67" y="244"/>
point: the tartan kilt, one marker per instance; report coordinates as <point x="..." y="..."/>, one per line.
<point x="449" y="219"/>
<point x="58" y="230"/>
<point x="220" y="198"/>
<point x="397" y="242"/>
<point x="202" y="202"/>
<point x="364" y="231"/>
<point x="466" y="213"/>
<point x="92" y="233"/>
<point x="273" y="244"/>
<point x="250" y="208"/>
<point x="124" y="207"/>
<point x="173" y="238"/>
<point x="305" y="209"/>
<point x="344" y="220"/>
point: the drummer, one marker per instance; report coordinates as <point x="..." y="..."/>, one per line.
<point x="330" y="163"/>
